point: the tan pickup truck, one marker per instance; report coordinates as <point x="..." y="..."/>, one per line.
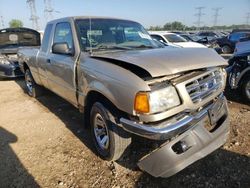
<point x="126" y="84"/>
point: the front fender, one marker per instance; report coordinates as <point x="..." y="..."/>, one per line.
<point x="117" y="84"/>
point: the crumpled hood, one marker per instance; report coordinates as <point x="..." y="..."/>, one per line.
<point x="166" y="61"/>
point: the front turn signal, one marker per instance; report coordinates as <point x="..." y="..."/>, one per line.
<point x="141" y="104"/>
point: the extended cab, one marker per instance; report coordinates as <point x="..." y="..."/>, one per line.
<point x="127" y="85"/>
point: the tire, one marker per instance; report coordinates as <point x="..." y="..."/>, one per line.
<point x="32" y="88"/>
<point x="109" y="139"/>
<point x="245" y="88"/>
<point x="226" y="49"/>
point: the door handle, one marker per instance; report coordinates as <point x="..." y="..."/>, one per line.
<point x="48" y="61"/>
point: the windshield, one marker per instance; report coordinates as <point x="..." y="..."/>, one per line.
<point x="103" y="34"/>
<point x="174" y="38"/>
<point x="18" y="38"/>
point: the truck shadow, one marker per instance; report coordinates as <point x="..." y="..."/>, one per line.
<point x="67" y="113"/>
<point x="12" y="171"/>
<point x="220" y="169"/>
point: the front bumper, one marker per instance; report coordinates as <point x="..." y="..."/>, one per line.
<point x="10" y="71"/>
<point x="205" y="132"/>
<point x="172" y="127"/>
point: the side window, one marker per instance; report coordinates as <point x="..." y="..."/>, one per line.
<point x="235" y="37"/>
<point x="63" y="33"/>
<point x="45" y="42"/>
<point x="157" y="37"/>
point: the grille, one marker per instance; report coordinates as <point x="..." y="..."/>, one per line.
<point x="204" y="86"/>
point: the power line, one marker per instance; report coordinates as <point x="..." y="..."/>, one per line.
<point x="199" y="15"/>
<point x="216" y="15"/>
<point x="34" y="18"/>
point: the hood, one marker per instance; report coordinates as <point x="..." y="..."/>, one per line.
<point x="9" y="50"/>
<point x="190" y="45"/>
<point x="166" y="61"/>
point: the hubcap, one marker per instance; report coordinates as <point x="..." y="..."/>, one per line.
<point x="29" y="83"/>
<point x="248" y="89"/>
<point x="101" y="132"/>
<point x="225" y="49"/>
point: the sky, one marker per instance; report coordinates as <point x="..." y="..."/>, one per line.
<point x="147" y="12"/>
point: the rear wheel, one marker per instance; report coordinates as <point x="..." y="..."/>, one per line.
<point x="32" y="88"/>
<point x="245" y="88"/>
<point x="226" y="49"/>
<point x="110" y="140"/>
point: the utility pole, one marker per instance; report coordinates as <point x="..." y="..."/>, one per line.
<point x="216" y="15"/>
<point x="2" y="21"/>
<point x="34" y="18"/>
<point x="248" y="18"/>
<point x="48" y="10"/>
<point x="199" y="14"/>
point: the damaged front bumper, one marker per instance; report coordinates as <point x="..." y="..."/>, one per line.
<point x="194" y="138"/>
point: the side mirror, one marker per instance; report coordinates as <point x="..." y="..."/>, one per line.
<point x="61" y="48"/>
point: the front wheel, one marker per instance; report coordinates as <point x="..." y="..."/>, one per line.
<point x="32" y="88"/>
<point x="110" y="140"/>
<point x="245" y="88"/>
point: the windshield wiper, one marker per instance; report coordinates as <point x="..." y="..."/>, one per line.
<point x="144" y="46"/>
<point x="110" y="47"/>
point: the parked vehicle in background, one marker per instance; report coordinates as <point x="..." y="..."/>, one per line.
<point x="210" y="44"/>
<point x="242" y="47"/>
<point x="114" y="72"/>
<point x="228" y="43"/>
<point x="210" y="35"/>
<point x="11" y="39"/>
<point x="174" y="40"/>
<point x="239" y="71"/>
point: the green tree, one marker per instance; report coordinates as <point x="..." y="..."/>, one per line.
<point x="174" y="26"/>
<point x="16" y="23"/>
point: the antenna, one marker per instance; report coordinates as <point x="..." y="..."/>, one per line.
<point x="34" y="18"/>
<point x="199" y="14"/>
<point x="216" y="15"/>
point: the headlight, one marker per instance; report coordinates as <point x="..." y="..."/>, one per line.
<point x="156" y="101"/>
<point x="4" y="61"/>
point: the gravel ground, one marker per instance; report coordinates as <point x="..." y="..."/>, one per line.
<point x="43" y="143"/>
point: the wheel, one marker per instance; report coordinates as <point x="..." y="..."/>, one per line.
<point x="32" y="88"/>
<point x="245" y="88"/>
<point x="226" y="49"/>
<point x="110" y="140"/>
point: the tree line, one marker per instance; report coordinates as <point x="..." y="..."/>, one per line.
<point x="179" y="26"/>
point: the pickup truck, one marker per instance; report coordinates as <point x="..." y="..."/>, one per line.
<point x="11" y="39"/>
<point x="126" y="85"/>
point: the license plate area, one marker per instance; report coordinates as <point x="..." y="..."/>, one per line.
<point x="216" y="113"/>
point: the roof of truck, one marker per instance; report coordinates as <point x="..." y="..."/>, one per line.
<point x="88" y="17"/>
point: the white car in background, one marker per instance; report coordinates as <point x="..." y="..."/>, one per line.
<point x="173" y="39"/>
